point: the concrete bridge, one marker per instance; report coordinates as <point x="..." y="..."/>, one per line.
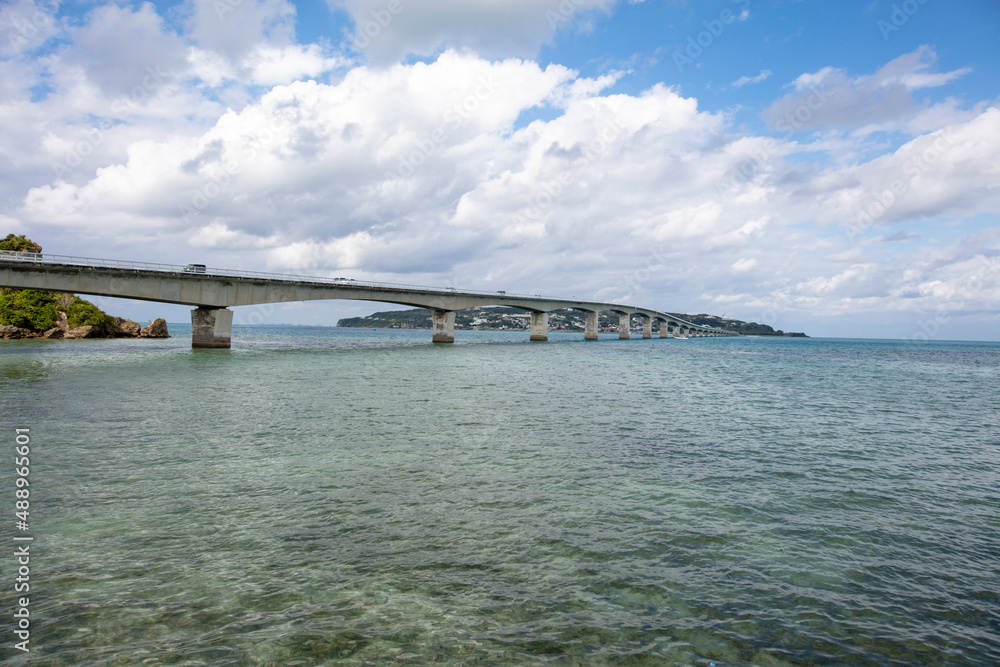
<point x="214" y="291"/>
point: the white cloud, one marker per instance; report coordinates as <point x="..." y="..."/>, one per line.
<point x="120" y="47"/>
<point x="269" y="66"/>
<point x="233" y="28"/>
<point x="764" y="75"/>
<point x="945" y="173"/>
<point x="265" y="64"/>
<point x="622" y="196"/>
<point x="325" y="150"/>
<point x="26" y="25"/>
<point x="218" y="235"/>
<point x="438" y="173"/>
<point x="211" y="68"/>
<point x="830" y="99"/>
<point x="388" y="30"/>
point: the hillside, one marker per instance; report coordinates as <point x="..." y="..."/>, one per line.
<point x="501" y="318"/>
<point x="743" y="328"/>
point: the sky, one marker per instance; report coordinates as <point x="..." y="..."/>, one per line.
<point x="826" y="167"/>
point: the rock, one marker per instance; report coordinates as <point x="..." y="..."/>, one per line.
<point x="81" y="332"/>
<point x="158" y="329"/>
<point x="53" y="334"/>
<point x="126" y="328"/>
<point x="9" y="332"/>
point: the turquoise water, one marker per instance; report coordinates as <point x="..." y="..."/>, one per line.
<point x="346" y="497"/>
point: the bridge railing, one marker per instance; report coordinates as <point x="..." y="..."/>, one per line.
<point x="200" y="270"/>
<point x="39" y="258"/>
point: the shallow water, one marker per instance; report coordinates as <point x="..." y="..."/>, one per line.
<point x="318" y="496"/>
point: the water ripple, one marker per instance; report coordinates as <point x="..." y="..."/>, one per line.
<point x="322" y="497"/>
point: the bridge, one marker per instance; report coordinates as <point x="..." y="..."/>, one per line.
<point x="213" y="292"/>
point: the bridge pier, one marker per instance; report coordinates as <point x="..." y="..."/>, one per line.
<point x="211" y="327"/>
<point x="590" y="326"/>
<point x="540" y="326"/>
<point x="623" y="324"/>
<point x="444" y="326"/>
<point x="214" y="292"/>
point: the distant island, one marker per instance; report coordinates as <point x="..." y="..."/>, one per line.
<point x="503" y="318"/>
<point x="53" y="315"/>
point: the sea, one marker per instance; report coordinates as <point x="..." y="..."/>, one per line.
<point x="324" y="496"/>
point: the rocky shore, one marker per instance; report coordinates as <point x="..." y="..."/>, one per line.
<point x="118" y="328"/>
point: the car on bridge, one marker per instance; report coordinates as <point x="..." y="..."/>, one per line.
<point x="194" y="268"/>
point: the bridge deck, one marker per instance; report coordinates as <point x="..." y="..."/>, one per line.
<point x="211" y="289"/>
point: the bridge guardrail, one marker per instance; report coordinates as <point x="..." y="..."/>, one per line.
<point x="73" y="260"/>
<point x="40" y="258"/>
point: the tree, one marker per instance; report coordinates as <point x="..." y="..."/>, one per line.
<point x="28" y="309"/>
<point x="82" y="313"/>
<point x="19" y="244"/>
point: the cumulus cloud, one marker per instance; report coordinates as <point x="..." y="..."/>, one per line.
<point x="120" y="46"/>
<point x="388" y="30"/>
<point x="120" y="74"/>
<point x="831" y="100"/>
<point x="618" y="194"/>
<point x="252" y="43"/>
<point x="233" y="28"/>
<point x="269" y="66"/>
<point x="337" y="155"/>
<point x="26" y="25"/>
<point x="218" y="235"/>
<point x="943" y="282"/>
<point x="264" y="65"/>
<point x="339" y="173"/>
<point x="944" y="173"/>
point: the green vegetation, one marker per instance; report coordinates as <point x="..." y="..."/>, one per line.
<point x="39" y="311"/>
<point x="742" y="328"/>
<point x="19" y="244"/>
<point x="28" y="309"/>
<point x="82" y="313"/>
<point x="417" y="318"/>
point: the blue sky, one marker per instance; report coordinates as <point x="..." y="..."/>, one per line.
<point x="820" y="166"/>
